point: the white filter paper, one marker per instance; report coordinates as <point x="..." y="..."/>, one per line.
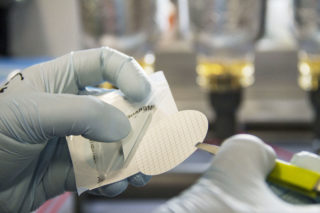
<point x="160" y="139"/>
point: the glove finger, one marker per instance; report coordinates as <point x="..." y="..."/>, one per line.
<point x="95" y="91"/>
<point x="110" y="190"/>
<point x="117" y="188"/>
<point x="74" y="71"/>
<point x="245" y="153"/>
<point x="63" y="115"/>
<point x="139" y="179"/>
<point x="306" y="160"/>
<point x="55" y="173"/>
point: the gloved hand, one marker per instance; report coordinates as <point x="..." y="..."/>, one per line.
<point x="41" y="105"/>
<point x="235" y="182"/>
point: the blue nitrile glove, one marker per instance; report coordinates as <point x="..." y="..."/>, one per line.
<point x="41" y="105"/>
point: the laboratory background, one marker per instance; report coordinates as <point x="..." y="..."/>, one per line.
<point x="251" y="66"/>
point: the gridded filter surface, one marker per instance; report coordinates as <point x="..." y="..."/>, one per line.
<point x="171" y="141"/>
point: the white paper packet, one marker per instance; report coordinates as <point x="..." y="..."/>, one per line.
<point x="157" y="128"/>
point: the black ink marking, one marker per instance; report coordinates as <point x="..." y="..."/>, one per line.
<point x="94" y="157"/>
<point x="21" y="76"/>
<point x="101" y="178"/>
<point x="7" y="83"/>
<point x="144" y="109"/>
<point x="18" y="74"/>
<point x="3" y="89"/>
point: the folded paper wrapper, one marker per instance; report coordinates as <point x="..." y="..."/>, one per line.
<point x="161" y="138"/>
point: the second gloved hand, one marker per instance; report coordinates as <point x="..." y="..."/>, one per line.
<point x="41" y="105"/>
<point x="235" y="182"/>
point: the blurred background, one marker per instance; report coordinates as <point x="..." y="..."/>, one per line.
<point x="252" y="66"/>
